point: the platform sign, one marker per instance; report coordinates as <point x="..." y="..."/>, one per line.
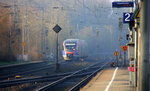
<point x="116" y="53"/>
<point x="124" y="48"/>
<point x="122" y="4"/>
<point x="127" y="17"/>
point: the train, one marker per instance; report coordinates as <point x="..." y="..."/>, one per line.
<point x="74" y="49"/>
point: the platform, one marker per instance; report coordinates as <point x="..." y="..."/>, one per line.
<point x="110" y="79"/>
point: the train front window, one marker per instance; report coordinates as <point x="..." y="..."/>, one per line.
<point x="70" y="46"/>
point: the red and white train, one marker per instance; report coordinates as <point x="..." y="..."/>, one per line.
<point x="74" y="49"/>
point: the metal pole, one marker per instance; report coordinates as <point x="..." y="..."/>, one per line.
<point x="136" y="53"/>
<point x="120" y="36"/>
<point x="144" y="46"/>
<point x="57" y="48"/>
<point x="124" y="62"/>
<point x="57" y="64"/>
<point x="42" y="33"/>
<point x="117" y="60"/>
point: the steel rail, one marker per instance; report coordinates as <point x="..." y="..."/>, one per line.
<point x="22" y="73"/>
<point x="38" y="79"/>
<point x="26" y="72"/>
<point x="86" y="80"/>
<point x="35" y="79"/>
<point x="44" y="88"/>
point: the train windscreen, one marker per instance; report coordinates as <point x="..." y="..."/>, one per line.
<point x="70" y="46"/>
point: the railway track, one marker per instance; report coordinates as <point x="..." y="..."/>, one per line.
<point x="8" y="83"/>
<point x="57" y="82"/>
<point x="72" y="82"/>
<point x="33" y="72"/>
<point x="34" y="79"/>
<point x="25" y="72"/>
<point x="37" y="79"/>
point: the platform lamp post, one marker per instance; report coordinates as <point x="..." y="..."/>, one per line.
<point x="57" y="29"/>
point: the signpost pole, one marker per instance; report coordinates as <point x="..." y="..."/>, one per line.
<point x="124" y="48"/>
<point x="117" y="60"/>
<point x="124" y="64"/>
<point x="116" y="53"/>
<point x="57" y="29"/>
<point x="57" y="64"/>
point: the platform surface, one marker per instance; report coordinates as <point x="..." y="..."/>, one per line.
<point x="110" y="79"/>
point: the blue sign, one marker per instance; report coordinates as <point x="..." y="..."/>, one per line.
<point x="122" y="4"/>
<point x="127" y="17"/>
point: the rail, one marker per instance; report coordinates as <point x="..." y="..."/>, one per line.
<point x="85" y="70"/>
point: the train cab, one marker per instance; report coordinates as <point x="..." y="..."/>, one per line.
<point x="74" y="49"/>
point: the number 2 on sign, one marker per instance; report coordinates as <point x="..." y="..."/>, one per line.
<point x="127" y="17"/>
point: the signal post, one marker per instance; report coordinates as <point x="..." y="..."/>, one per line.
<point x="116" y="53"/>
<point x="57" y="29"/>
<point x="124" y="48"/>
